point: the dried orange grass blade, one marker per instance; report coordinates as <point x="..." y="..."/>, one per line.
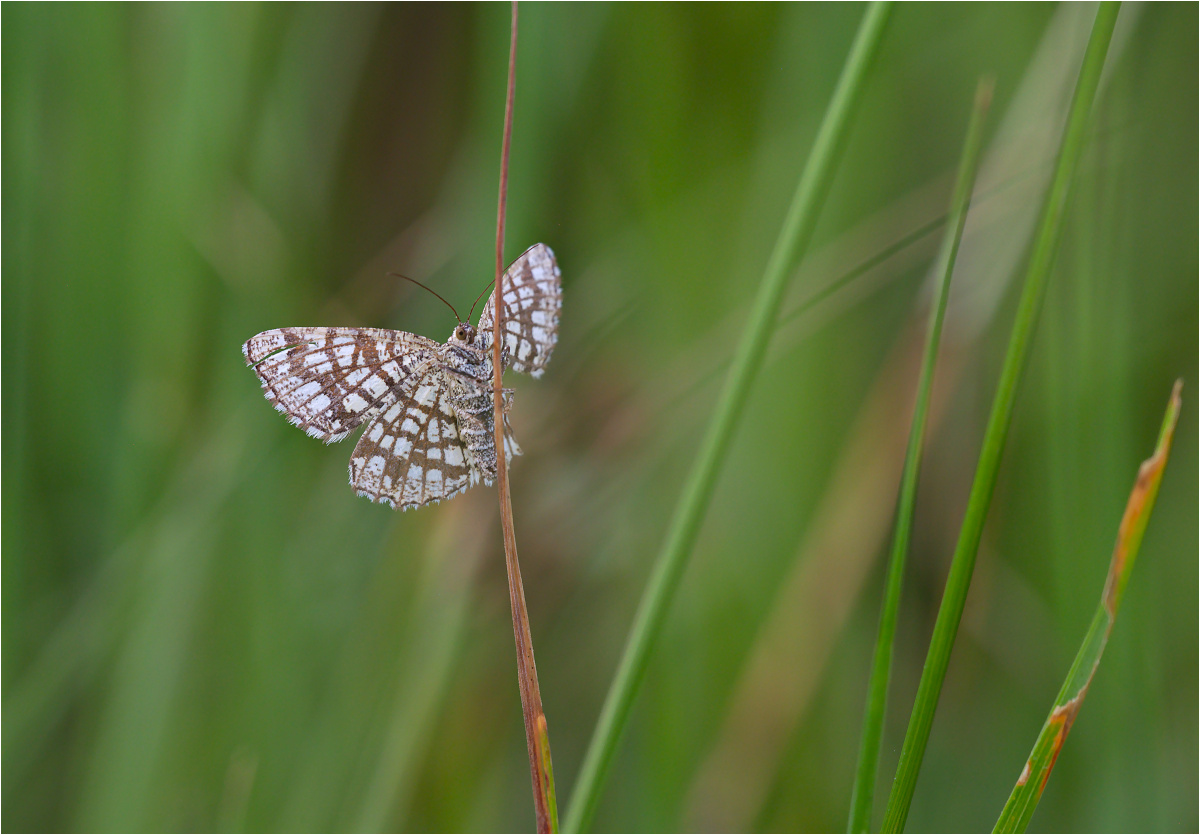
<point x="1137" y="511"/>
<point x="1032" y="782"/>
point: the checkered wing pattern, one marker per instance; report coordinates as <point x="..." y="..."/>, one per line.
<point x="532" y="301"/>
<point x="329" y="380"/>
<point x="411" y="454"/>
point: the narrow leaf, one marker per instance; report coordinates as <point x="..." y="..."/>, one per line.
<point x="1032" y="782"/>
<point x="685" y="524"/>
<point x="543" y="735"/>
<point x="868" y="754"/>
<point x="958" y="581"/>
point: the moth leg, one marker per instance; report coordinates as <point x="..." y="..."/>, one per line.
<point x="507" y="399"/>
<point x="511" y="447"/>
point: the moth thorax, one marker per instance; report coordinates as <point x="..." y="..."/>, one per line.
<point x="465" y="358"/>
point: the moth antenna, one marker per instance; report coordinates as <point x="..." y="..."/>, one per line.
<point x="423" y="287"/>
<point x="491" y="281"/>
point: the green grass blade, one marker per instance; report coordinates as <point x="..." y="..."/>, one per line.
<point x="959" y="579"/>
<point x="868" y="754"/>
<point x="793" y="240"/>
<point x="1032" y="782"/>
<point x="543" y="737"/>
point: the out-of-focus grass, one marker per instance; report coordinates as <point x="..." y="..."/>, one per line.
<point x="866" y="770"/>
<point x="795" y="235"/>
<point x="1031" y="783"/>
<point x="1043" y="250"/>
<point x="204" y="627"/>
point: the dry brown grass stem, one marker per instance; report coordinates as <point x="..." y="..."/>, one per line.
<point x="531" y="697"/>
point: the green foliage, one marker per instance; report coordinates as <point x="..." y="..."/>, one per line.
<point x="1024" y="799"/>
<point x="1045" y="248"/>
<point x="698" y="488"/>
<point x="881" y="665"/>
<point x="204" y="628"/>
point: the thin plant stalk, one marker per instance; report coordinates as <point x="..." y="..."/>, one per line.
<point x="537" y="739"/>
<point x="698" y="489"/>
<point x="868" y="754"/>
<point x="958" y="581"/>
<point x="1028" y="791"/>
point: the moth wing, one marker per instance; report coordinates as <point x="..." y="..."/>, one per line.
<point x="328" y="381"/>
<point x="532" y="303"/>
<point x="412" y="454"/>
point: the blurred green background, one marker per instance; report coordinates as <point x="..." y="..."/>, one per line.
<point x="205" y="629"/>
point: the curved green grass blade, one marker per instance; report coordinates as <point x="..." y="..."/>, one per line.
<point x="963" y="563"/>
<point x="868" y="754"/>
<point x="793" y="240"/>
<point x="1025" y="795"/>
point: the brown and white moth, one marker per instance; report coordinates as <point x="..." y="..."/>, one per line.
<point x="427" y="406"/>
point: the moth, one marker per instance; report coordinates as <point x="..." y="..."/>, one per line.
<point x="427" y="406"/>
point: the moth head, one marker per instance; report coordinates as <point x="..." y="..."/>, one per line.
<point x="463" y="333"/>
